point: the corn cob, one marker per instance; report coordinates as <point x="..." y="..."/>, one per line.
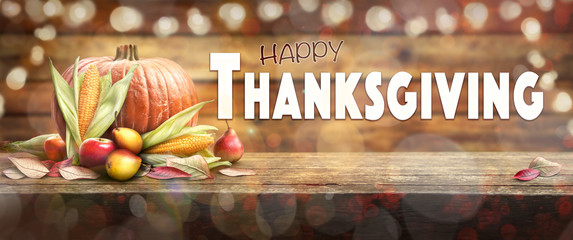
<point x="184" y="145"/>
<point x="88" y="100"/>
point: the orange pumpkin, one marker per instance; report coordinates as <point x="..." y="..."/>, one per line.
<point x="159" y="89"/>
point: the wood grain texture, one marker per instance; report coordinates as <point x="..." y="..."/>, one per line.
<point x="337" y="173"/>
<point x="388" y="54"/>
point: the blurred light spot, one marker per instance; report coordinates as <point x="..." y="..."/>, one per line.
<point x="34" y="10"/>
<point x="562" y="102"/>
<point x="1" y="106"/>
<point x="379" y="18"/>
<point x="53" y="8"/>
<point x="416" y="26"/>
<point x="71" y="218"/>
<point x="378" y="225"/>
<point x="309" y="5"/>
<point x="334" y="13"/>
<point x="199" y="24"/>
<point x="274" y="140"/>
<point x="509" y="10"/>
<point x="11" y="210"/>
<point x="123" y="19"/>
<point x="518" y="70"/>
<point x="328" y="196"/>
<point x="269" y="10"/>
<point x="37" y="55"/>
<point x="547" y="80"/>
<point x="534" y="57"/>
<point x="476" y="13"/>
<point x="531" y="29"/>
<point x="165" y="26"/>
<point x="339" y="136"/>
<point x="10" y="9"/>
<point x="545" y="5"/>
<point x="226" y="201"/>
<point x="16" y="78"/>
<point x="446" y="23"/>
<point x="50" y="208"/>
<point x="45" y="33"/>
<point x="79" y="12"/>
<point x="138" y="205"/>
<point x="233" y="14"/>
<point x="570" y="126"/>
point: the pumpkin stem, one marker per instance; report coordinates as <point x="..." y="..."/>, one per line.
<point x="126" y="52"/>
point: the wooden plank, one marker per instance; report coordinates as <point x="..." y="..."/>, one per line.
<point x="295" y="19"/>
<point x="546" y="133"/>
<point x="35" y="97"/>
<point x="312" y="173"/>
<point x="365" y="54"/>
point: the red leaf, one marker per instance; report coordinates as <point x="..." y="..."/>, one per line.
<point x="527" y="174"/>
<point x="167" y="173"/>
<point x="55" y="169"/>
<point x="48" y="163"/>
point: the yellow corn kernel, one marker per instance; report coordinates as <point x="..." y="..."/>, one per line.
<point x="88" y="99"/>
<point x="184" y="145"/>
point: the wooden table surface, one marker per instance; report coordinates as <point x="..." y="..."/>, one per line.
<point x="313" y="173"/>
<point x="418" y="195"/>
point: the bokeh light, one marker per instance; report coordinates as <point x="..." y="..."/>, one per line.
<point x="165" y="26"/>
<point x="34" y="10"/>
<point x="269" y="10"/>
<point x="509" y="10"/>
<point x="138" y="205"/>
<point x="547" y="80"/>
<point x="531" y="28"/>
<point x="309" y="5"/>
<point x="446" y="23"/>
<point x="124" y="19"/>
<point x="45" y="33"/>
<point x="416" y="26"/>
<point x="10" y="8"/>
<point x="476" y="13"/>
<point x="79" y="12"/>
<point x="545" y="5"/>
<point x="562" y="102"/>
<point x="1" y="106"/>
<point x="16" y="78"/>
<point x="198" y="23"/>
<point x="379" y="18"/>
<point x="53" y="8"/>
<point x="37" y="55"/>
<point x="336" y="12"/>
<point x="233" y="14"/>
<point x="536" y="59"/>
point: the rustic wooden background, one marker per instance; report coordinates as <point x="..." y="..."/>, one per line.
<point x="499" y="46"/>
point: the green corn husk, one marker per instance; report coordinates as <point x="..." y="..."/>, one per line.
<point x="159" y="160"/>
<point x="172" y="127"/>
<point x="33" y="146"/>
<point x="112" y="102"/>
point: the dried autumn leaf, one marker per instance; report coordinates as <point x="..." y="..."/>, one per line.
<point x="55" y="169"/>
<point x="77" y="172"/>
<point x="13" y="173"/>
<point x="236" y="172"/>
<point x="48" y="163"/>
<point x="31" y="167"/>
<point x="195" y="165"/>
<point x="546" y="168"/>
<point x="526" y="174"/>
<point x="167" y="173"/>
<point x="143" y="170"/>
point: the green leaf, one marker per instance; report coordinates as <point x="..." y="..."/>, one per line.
<point x="109" y="105"/>
<point x="76" y="84"/>
<point x="105" y="85"/>
<point x="172" y="127"/>
<point x="66" y="101"/>
<point x="196" y="130"/>
<point x="218" y="164"/>
<point x="33" y="146"/>
<point x="155" y="159"/>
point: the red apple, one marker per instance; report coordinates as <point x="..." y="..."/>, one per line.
<point x="55" y="148"/>
<point x="94" y="152"/>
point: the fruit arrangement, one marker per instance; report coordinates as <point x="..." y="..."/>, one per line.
<point x="155" y="132"/>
